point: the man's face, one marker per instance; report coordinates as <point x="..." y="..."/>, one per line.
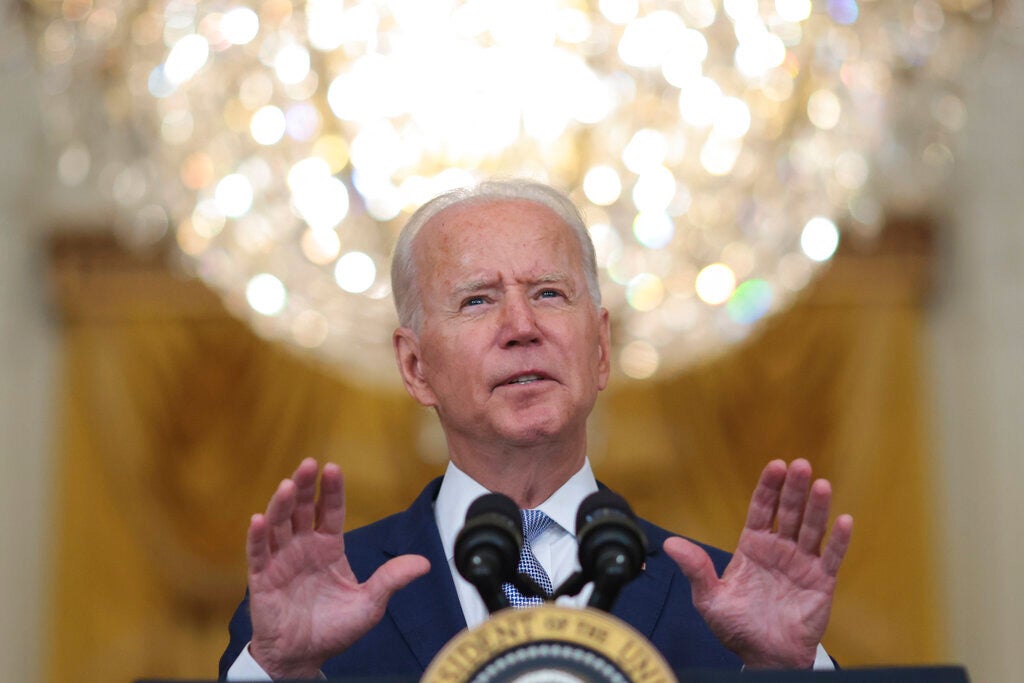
<point x="511" y="350"/>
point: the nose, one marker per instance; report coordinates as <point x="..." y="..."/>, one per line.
<point x="518" y="322"/>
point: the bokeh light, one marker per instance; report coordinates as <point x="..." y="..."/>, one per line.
<point x="285" y="144"/>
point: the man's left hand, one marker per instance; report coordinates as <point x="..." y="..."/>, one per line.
<point x="772" y="604"/>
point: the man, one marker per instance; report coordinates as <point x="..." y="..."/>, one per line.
<point x="502" y="333"/>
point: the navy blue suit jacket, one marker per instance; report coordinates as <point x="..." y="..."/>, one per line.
<point x="422" y="617"/>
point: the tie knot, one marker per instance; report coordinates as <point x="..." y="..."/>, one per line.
<point x="534" y="523"/>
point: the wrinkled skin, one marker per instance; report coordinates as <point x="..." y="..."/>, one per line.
<point x="772" y="603"/>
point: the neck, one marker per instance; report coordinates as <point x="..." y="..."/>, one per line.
<point x="527" y="475"/>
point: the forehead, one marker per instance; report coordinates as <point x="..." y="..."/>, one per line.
<point x="496" y="234"/>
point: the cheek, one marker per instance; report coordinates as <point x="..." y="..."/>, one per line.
<point x="453" y="354"/>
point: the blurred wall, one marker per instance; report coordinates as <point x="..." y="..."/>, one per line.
<point x="977" y="329"/>
<point x="28" y="337"/>
<point x="977" y="354"/>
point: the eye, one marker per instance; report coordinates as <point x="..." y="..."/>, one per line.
<point x="550" y="294"/>
<point x="473" y="301"/>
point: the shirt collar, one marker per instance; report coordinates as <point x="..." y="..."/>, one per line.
<point x="459" y="490"/>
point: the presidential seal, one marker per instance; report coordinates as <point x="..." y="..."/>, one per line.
<point x="549" y="644"/>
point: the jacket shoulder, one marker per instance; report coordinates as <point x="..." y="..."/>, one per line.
<point x="657" y="535"/>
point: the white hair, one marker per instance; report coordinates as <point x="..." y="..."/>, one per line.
<point x="403" y="263"/>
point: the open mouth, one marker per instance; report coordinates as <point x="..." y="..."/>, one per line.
<point x="524" y="379"/>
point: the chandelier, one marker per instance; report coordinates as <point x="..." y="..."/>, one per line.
<point x="715" y="146"/>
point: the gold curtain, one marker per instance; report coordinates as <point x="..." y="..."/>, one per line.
<point x="176" y="423"/>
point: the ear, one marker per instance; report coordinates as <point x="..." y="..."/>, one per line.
<point x="410" y="365"/>
<point x="604" y="349"/>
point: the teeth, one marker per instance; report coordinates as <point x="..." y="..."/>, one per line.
<point x="524" y="379"/>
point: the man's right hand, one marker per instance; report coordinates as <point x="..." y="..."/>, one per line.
<point x="306" y="604"/>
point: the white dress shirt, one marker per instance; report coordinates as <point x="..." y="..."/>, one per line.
<point x="555" y="549"/>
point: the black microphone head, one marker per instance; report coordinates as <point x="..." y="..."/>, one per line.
<point x="605" y="522"/>
<point x="601" y="502"/>
<point x="487" y="548"/>
<point x="498" y="504"/>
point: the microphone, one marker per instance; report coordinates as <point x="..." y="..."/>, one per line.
<point x="611" y="546"/>
<point x="487" y="550"/>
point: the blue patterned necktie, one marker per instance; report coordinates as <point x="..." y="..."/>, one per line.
<point x="534" y="524"/>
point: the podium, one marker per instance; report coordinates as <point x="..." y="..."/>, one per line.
<point x="925" y="674"/>
<point x="552" y="644"/>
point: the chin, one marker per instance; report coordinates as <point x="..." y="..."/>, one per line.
<point x="539" y="430"/>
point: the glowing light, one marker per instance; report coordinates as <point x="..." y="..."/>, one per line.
<point x="750" y="301"/>
<point x="715" y="284"/>
<point x="718" y="155"/>
<point x="267" y="125"/>
<point x="355" y="272"/>
<point x="186" y="58"/>
<point x="266" y="294"/>
<point x="645" y="149"/>
<point x="645" y="292"/>
<point x="684" y="59"/>
<point x="158" y="85"/>
<point x="654" y="190"/>
<point x="823" y="109"/>
<point x="793" y="10"/>
<point x="240" y="25"/>
<point x="302" y="121"/>
<point x="322" y="202"/>
<point x="639" y="359"/>
<point x="699" y="101"/>
<point x="843" y="11"/>
<point x="740" y="10"/>
<point x="320" y="246"/>
<point x="758" y="53"/>
<point x="819" y="239"/>
<point x="291" y="63"/>
<point x="654" y="230"/>
<point x="619" y="11"/>
<point x="733" y="118"/>
<point x="647" y="41"/>
<point x="277" y="136"/>
<point x="602" y="185"/>
<point x="326" y="24"/>
<point x="234" y="195"/>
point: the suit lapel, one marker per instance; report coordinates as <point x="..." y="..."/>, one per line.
<point x="428" y="614"/>
<point x="641" y="602"/>
<point x="427" y="611"/>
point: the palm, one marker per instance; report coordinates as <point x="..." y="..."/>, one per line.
<point x="772" y="604"/>
<point x="306" y="603"/>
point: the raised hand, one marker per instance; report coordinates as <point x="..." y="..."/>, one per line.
<point x="306" y="604"/>
<point x="772" y="603"/>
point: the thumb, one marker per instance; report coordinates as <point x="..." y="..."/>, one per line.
<point x="695" y="563"/>
<point x="396" y="573"/>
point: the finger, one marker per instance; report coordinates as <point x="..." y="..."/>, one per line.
<point x="695" y="563"/>
<point x="279" y="514"/>
<point x="394" y="574"/>
<point x="765" y="499"/>
<point x="815" y="521"/>
<point x="330" y="509"/>
<point x="305" y="495"/>
<point x="257" y="544"/>
<point x="793" y="498"/>
<point x="838" y="542"/>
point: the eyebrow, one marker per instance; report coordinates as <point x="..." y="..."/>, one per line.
<point x="471" y="286"/>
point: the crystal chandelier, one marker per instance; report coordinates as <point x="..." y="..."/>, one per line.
<point x="714" y="146"/>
